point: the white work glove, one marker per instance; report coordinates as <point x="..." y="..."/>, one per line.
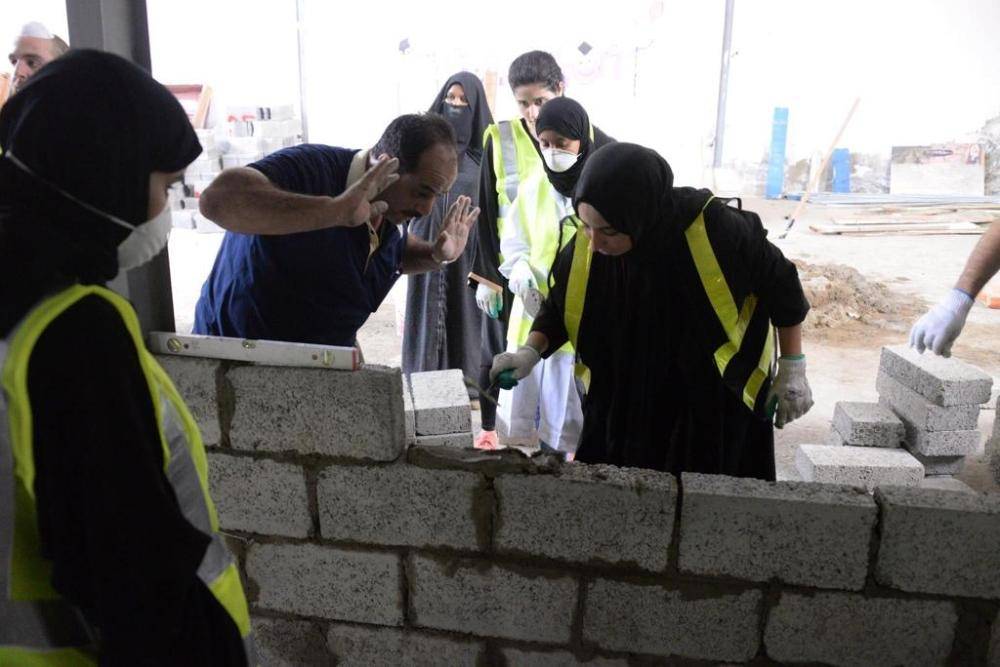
<point x="790" y="390"/>
<point x="489" y="301"/>
<point x="941" y="325"/>
<point x="521" y="361"/>
<point x="521" y="279"/>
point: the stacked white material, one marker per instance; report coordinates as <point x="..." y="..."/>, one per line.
<point x="938" y="400"/>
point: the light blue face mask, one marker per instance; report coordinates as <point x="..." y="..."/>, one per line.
<point x="144" y="242"/>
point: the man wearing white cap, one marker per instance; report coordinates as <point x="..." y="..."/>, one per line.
<point x="34" y="48"/>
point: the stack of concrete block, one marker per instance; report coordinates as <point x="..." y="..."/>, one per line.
<point x="938" y="401"/>
<point x="438" y="409"/>
<point x="993" y="447"/>
<point x="863" y="449"/>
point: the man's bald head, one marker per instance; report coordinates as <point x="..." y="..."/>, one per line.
<point x="34" y="48"/>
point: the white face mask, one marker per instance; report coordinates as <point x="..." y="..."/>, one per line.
<point x="146" y="241"/>
<point x="559" y="160"/>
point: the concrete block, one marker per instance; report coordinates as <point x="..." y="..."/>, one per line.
<point x="941" y="443"/>
<point x="313" y="580"/>
<point x="867" y="424"/>
<point x="693" y="623"/>
<point x="940" y="465"/>
<point x="834" y="439"/>
<point x="196" y="381"/>
<point x="993" y="458"/>
<point x="358" y="646"/>
<point x="409" y="421"/>
<point x="489" y="600"/>
<point x="457" y="440"/>
<point x="259" y="496"/>
<point x="516" y="657"/>
<point x="922" y="413"/>
<point x="356" y="415"/>
<point x="285" y="643"/>
<point x="588" y="514"/>
<point x="858" y="466"/>
<point x="402" y="505"/>
<point x="808" y="534"/>
<point x="943" y="381"/>
<point x="944" y="542"/>
<point x="846" y="629"/>
<point x="945" y="483"/>
<point x="440" y="402"/>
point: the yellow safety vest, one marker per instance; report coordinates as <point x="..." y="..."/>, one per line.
<point x="525" y="198"/>
<point x="734" y="320"/>
<point x="38" y="627"/>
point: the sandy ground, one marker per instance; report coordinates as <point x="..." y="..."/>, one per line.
<point x="843" y="359"/>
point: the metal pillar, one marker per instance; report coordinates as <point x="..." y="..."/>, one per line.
<point x="121" y="26"/>
<point x="720" y="115"/>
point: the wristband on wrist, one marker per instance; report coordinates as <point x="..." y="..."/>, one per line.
<point x="793" y="357"/>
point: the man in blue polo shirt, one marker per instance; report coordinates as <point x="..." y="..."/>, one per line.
<point x="316" y="236"/>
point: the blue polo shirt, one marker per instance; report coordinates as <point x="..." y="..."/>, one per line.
<point x="310" y="287"/>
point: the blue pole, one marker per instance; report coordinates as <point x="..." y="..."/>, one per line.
<point x="776" y="160"/>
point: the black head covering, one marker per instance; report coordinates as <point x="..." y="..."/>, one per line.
<point x="569" y="119"/>
<point x="631" y="186"/>
<point x="469" y="122"/>
<point x="96" y="126"/>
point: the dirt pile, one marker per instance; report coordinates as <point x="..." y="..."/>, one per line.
<point x="840" y="295"/>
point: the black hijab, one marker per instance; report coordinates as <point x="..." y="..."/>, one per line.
<point x="631" y="186"/>
<point x="96" y="126"/>
<point x="567" y="118"/>
<point x="469" y="122"/>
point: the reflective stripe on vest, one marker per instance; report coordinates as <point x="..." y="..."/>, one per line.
<point x="508" y="152"/>
<point x="734" y="322"/>
<point x="36" y="626"/>
<point x="576" y="298"/>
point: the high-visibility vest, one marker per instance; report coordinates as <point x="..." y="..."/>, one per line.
<point x="38" y="627"/>
<point x="733" y="319"/>
<point x="528" y="200"/>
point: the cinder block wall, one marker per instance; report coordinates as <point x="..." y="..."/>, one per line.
<point x="359" y="550"/>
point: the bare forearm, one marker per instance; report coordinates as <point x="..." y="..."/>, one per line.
<point x="538" y="341"/>
<point x="243" y="200"/>
<point x="419" y="256"/>
<point x="790" y="340"/>
<point x="983" y="263"/>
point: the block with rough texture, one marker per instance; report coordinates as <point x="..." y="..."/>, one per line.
<point x="941" y="443"/>
<point x="196" y="381"/>
<point x="440" y="402"/>
<point x="409" y="421"/>
<point x="799" y="533"/>
<point x="489" y="600"/>
<point x="457" y="440"/>
<point x="846" y="629"/>
<point x="940" y="465"/>
<point x="402" y="504"/>
<point x="944" y="542"/>
<point x="259" y="496"/>
<point x="944" y="381"/>
<point x="316" y="411"/>
<point x="858" y="466"/>
<point x="313" y="580"/>
<point x="867" y="424"/>
<point x="588" y="514"/>
<point x="521" y="658"/>
<point x="692" y="623"/>
<point x="358" y="646"/>
<point x="922" y="413"/>
<point x="945" y="483"/>
<point x="284" y="643"/>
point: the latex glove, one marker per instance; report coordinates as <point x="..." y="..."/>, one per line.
<point x="521" y="279"/>
<point x="941" y="325"/>
<point x="521" y="362"/>
<point x="489" y="301"/>
<point x="790" y="392"/>
<point x="532" y="299"/>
